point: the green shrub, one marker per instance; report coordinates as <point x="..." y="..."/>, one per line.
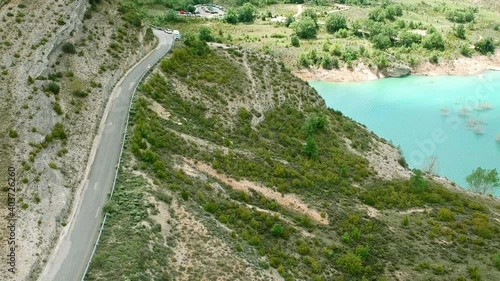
<point x="460" y="31"/>
<point x="465" y="51"/>
<point x="496" y="260"/>
<point x="205" y="34"/>
<point x="184" y="195"/>
<point x="335" y="22"/>
<point x="58" y="132"/>
<point x="305" y="28"/>
<point x="381" y="41"/>
<point x="277" y="230"/>
<point x="434" y="58"/>
<point x="69" y="48"/>
<point x="434" y="41"/>
<point x="474" y="273"/>
<point x="406" y="221"/>
<point x="80" y="93"/>
<point x="485" y="46"/>
<point x="295" y="41"/>
<point x="13" y="133"/>
<point x="57" y="108"/>
<point x="461" y="16"/>
<point x="445" y="214"/>
<point x="438" y="269"/>
<point x="350" y="263"/>
<point x="52" y="87"/>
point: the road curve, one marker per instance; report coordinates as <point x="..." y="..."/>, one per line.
<point x="70" y="256"/>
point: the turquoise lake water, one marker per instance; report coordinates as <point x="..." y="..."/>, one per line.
<point x="452" y="118"/>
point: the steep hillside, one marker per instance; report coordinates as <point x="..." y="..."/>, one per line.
<point x="234" y="169"/>
<point x="59" y="61"/>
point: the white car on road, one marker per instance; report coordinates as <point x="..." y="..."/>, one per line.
<point x="177" y="34"/>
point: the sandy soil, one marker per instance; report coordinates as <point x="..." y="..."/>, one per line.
<point x="461" y="66"/>
<point x="360" y="73"/>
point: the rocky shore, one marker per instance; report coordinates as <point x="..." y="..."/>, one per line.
<point x="462" y="66"/>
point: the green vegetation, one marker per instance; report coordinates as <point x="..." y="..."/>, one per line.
<point x="335" y="23"/>
<point x="485" y="46"/>
<point x="13" y="133"/>
<point x="245" y="14"/>
<point x="483" y="181"/>
<point x="69" y="48"/>
<point x="52" y="87"/>
<point x="295" y="145"/>
<point x="295" y="41"/>
<point x="305" y="28"/>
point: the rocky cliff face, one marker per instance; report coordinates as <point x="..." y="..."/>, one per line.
<point x="43" y="84"/>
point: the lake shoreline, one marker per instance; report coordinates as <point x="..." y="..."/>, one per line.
<point x="462" y="66"/>
<point x="383" y="109"/>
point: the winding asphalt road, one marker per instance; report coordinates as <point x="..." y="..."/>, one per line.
<point x="74" y="248"/>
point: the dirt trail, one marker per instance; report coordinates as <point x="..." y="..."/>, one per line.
<point x="300" y="9"/>
<point x="287" y="200"/>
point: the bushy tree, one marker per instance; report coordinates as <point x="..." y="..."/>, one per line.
<point x="377" y="15"/>
<point x="434" y="41"/>
<point x="246" y="13"/>
<point x="483" y="181"/>
<point x="295" y="41"/>
<point x="407" y="38"/>
<point x="310" y="13"/>
<point x="485" y="46"/>
<point x="230" y="16"/>
<point x="335" y="22"/>
<point x="305" y="28"/>
<point x="381" y="41"/>
<point x="205" y="34"/>
<point x="69" y="48"/>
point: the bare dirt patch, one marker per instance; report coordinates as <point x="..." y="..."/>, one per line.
<point x="360" y="73"/>
<point x="156" y="107"/>
<point x="461" y="66"/>
<point x="287" y="200"/>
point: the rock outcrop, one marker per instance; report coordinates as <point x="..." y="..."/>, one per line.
<point x="399" y="70"/>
